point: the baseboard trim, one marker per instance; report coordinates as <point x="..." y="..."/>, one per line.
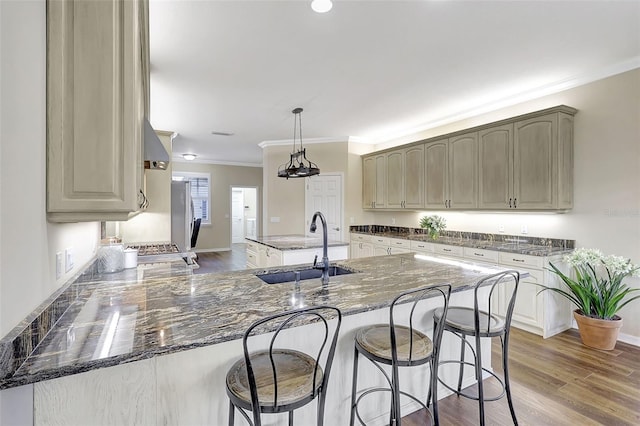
<point x="212" y="250"/>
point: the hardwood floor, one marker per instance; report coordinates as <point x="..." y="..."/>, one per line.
<point x="223" y="261"/>
<point x="555" y="381"/>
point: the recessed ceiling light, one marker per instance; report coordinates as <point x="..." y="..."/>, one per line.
<point x="321" y="6"/>
<point x="189" y="157"/>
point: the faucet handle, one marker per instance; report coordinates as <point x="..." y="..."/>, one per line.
<point x="315" y="261"/>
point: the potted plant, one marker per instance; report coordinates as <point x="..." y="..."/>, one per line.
<point x="433" y="224"/>
<point x="598" y="292"/>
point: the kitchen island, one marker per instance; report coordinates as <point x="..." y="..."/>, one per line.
<point x="278" y="250"/>
<point x="152" y="345"/>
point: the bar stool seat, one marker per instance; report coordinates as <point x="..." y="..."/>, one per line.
<point x="295" y="383"/>
<point x="461" y="319"/>
<point x="375" y="340"/>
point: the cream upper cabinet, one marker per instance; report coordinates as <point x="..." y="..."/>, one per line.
<point x="395" y="179"/>
<point x="368" y="182"/>
<point x="436" y="171"/>
<point x="543" y="162"/>
<point x="97" y="92"/>
<point x="405" y="178"/>
<point x="495" y="167"/>
<point x="451" y="172"/>
<point x="374" y="176"/>
<point x="463" y="176"/>
<point x="524" y="163"/>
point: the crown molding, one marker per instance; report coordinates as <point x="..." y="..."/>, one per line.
<point x="265" y="144"/>
<point x="199" y="160"/>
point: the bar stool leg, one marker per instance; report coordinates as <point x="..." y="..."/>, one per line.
<point x="433" y="390"/>
<point x="463" y="339"/>
<point x="291" y="418"/>
<point x="232" y="411"/>
<point x="505" y="369"/>
<point x="354" y="387"/>
<point x="478" y="365"/>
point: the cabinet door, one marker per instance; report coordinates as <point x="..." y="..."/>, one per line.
<point x="95" y="108"/>
<point x="381" y="179"/>
<point x="528" y="308"/>
<point x="414" y="177"/>
<point x="395" y="179"/>
<point x="380" y="250"/>
<point x="463" y="176"/>
<point x="368" y="182"/>
<point x="535" y="142"/>
<point x="435" y="180"/>
<point x="366" y="250"/>
<point x="495" y="167"/>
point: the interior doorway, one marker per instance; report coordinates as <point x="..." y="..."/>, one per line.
<point x="244" y="213"/>
<point x="324" y="193"/>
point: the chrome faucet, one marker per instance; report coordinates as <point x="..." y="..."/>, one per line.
<point x="325" y="258"/>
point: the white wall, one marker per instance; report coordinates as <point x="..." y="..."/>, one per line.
<point x="606" y="213"/>
<point x="28" y="242"/>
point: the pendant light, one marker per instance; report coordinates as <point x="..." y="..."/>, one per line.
<point x="298" y="165"/>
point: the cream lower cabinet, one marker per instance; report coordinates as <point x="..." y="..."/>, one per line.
<point x="97" y="90"/>
<point x="546" y="313"/>
<point x="360" y="246"/>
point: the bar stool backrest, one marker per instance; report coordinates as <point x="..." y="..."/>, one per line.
<point x="507" y="281"/>
<point x="279" y="322"/>
<point x="418" y="297"/>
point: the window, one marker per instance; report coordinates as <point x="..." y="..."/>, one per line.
<point x="200" y="194"/>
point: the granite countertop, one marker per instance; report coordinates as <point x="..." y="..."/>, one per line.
<point x="294" y="242"/>
<point x="532" y="246"/>
<point x="163" y="308"/>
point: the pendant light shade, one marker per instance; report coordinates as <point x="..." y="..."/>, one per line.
<point x="298" y="165"/>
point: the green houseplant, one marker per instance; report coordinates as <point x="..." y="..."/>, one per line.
<point x="598" y="292"/>
<point x="433" y="224"/>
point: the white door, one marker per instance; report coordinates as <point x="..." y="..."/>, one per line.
<point x="324" y="194"/>
<point x="237" y="216"/>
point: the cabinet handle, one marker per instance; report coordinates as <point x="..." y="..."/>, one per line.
<point x="509" y="202"/>
<point x="518" y="260"/>
<point x="478" y="254"/>
<point x="447" y="250"/>
<point x="514" y="203"/>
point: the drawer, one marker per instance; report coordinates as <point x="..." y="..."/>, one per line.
<point x="252" y="247"/>
<point x="360" y="237"/>
<point x="421" y="246"/>
<point x="381" y="241"/>
<point x="444" y="250"/>
<point x="398" y="243"/>
<point x="481" y="255"/>
<point x="514" y="259"/>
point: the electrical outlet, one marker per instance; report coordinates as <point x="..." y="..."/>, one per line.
<point x="393" y="220"/>
<point x="501" y="228"/>
<point x="275" y="219"/>
<point x="352" y="220"/>
<point x="524" y="229"/>
<point x="68" y="255"/>
<point x="59" y="264"/>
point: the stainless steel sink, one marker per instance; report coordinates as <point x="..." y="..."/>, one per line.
<point x="305" y="274"/>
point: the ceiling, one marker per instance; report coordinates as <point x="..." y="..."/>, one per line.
<point x="373" y="70"/>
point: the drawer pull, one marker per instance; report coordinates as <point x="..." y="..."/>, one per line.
<point x="478" y="254"/>
<point x="447" y="250"/>
<point x="518" y="260"/>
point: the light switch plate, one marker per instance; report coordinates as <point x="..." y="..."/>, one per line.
<point x="59" y="264"/>
<point x="68" y="255"/>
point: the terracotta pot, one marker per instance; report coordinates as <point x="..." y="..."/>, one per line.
<point x="598" y="333"/>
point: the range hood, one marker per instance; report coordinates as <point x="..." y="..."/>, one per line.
<point x="155" y="155"/>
